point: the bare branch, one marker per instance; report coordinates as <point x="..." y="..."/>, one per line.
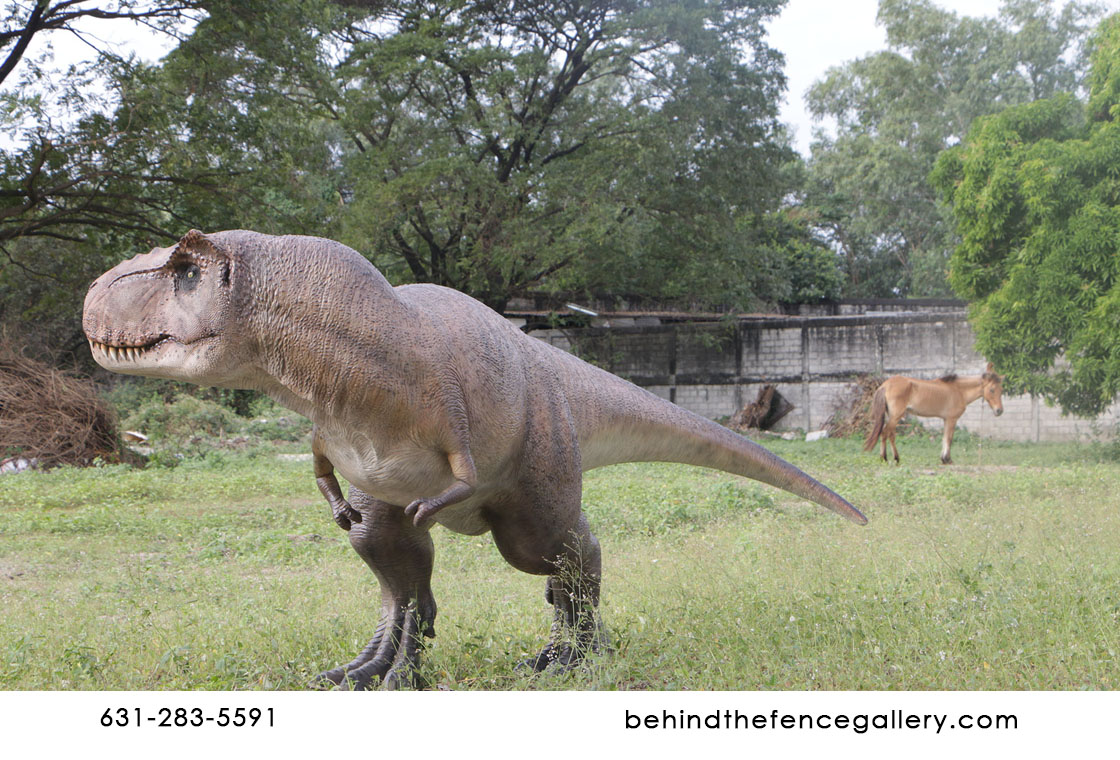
<point x="46" y="17"/>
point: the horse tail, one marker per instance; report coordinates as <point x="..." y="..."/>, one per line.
<point x="879" y="413"/>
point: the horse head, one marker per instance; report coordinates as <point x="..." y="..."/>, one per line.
<point x="992" y="389"/>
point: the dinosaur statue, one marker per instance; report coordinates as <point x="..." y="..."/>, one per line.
<point x="434" y="407"/>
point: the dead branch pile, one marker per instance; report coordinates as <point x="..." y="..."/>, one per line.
<point x="853" y="416"/>
<point x="51" y="418"/>
<point x="762" y="413"/>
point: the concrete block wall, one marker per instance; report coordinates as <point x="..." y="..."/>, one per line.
<point x="771" y="352"/>
<point x="843" y="350"/>
<point x="714" y="368"/>
<point x="711" y="401"/>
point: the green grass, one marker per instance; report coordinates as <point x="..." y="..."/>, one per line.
<point x="999" y="572"/>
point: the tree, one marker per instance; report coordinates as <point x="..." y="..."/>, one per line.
<point x="53" y="177"/>
<point x="895" y="110"/>
<point x="73" y="183"/>
<point x="497" y="146"/>
<point x="1035" y="193"/>
<point x="23" y="21"/>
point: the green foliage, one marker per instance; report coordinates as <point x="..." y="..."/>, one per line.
<point x="984" y="169"/>
<point x="192" y="428"/>
<point x="896" y="110"/>
<point x="595" y="147"/>
<point x="182" y="419"/>
<point x="279" y="425"/>
<point x="1036" y="197"/>
<point x="1104" y="75"/>
<point x="495" y="147"/>
<point x="805" y="265"/>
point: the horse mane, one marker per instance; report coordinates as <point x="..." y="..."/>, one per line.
<point x="988" y="377"/>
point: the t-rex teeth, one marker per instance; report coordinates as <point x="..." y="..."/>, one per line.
<point x="118" y="353"/>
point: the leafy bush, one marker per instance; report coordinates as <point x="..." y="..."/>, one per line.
<point x="272" y="422"/>
<point x="285" y="427"/>
<point x="128" y="394"/>
<point x="194" y="428"/>
<point x="183" y="419"/>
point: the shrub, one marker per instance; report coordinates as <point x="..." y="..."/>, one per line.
<point x="186" y="417"/>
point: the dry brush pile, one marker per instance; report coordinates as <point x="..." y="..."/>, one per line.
<point x="50" y="417"/>
<point x="853" y="417"/>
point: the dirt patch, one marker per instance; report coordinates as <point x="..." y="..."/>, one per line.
<point x="9" y="571"/>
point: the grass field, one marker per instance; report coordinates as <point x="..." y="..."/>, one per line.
<point x="999" y="572"/>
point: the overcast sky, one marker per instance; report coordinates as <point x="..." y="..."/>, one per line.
<point x="817" y="34"/>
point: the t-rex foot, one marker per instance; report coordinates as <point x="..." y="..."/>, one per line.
<point x="564" y="656"/>
<point x="403" y="673"/>
<point x="560" y="658"/>
<point x="391" y="659"/>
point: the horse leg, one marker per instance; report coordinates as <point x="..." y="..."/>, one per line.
<point x="887" y="431"/>
<point x="947" y="440"/>
<point x="892" y="424"/>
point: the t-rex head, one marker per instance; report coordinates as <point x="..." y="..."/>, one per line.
<point x="170" y="313"/>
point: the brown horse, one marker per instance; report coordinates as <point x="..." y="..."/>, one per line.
<point x="945" y="398"/>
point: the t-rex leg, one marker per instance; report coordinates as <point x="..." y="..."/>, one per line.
<point x="401" y="556"/>
<point x="570" y="556"/>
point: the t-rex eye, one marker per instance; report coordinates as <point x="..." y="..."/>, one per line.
<point x="188" y="277"/>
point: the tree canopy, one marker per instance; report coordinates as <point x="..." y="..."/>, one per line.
<point x="623" y="146"/>
<point x="1035" y="192"/>
<point x="63" y="153"/>
<point x="894" y="111"/>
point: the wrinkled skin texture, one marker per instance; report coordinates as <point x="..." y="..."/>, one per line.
<point x="434" y="407"/>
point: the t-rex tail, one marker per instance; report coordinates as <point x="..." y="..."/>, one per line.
<point x="637" y="426"/>
<point x="879" y="414"/>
